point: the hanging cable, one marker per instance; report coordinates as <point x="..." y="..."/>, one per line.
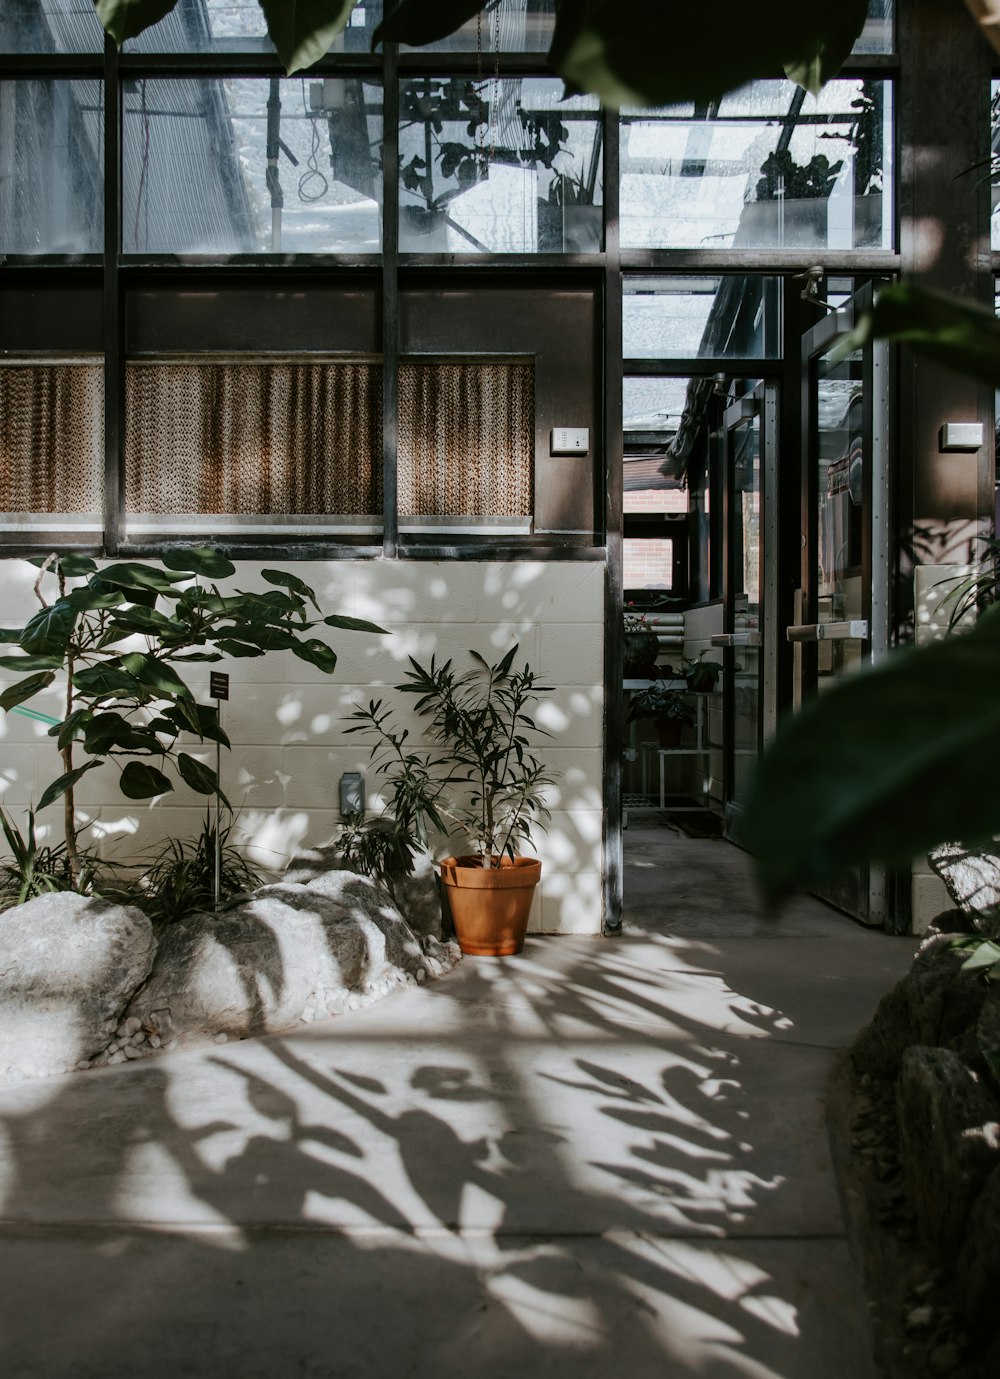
<point x="312" y="173"/>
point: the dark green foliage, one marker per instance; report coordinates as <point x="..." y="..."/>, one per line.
<point x="35" y="868"/>
<point x="135" y="703"/>
<point x="477" y="775"/>
<point x="180" y="879"/>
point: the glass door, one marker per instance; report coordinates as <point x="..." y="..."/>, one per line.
<point x="748" y="644"/>
<point x="842" y="606"/>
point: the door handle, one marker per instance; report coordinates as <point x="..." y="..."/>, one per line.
<point x="856" y="631"/>
<point x="736" y="639"/>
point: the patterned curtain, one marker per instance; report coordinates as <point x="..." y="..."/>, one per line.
<point x="254" y="438"/>
<point x="466" y="439"/>
<point x="51" y="438"/>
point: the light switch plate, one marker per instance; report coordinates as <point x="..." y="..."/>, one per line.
<point x="569" y="440"/>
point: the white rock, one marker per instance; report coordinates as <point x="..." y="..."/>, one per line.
<point x="68" y="966"/>
<point x="130" y="1051"/>
<point x="155" y="1041"/>
<point x="133" y="1025"/>
<point x="118" y="1057"/>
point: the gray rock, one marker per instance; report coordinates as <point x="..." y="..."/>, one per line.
<point x="978" y="1267"/>
<point x="972" y="878"/>
<point x="949" y="1125"/>
<point x="935" y="1003"/>
<point x="293" y="947"/>
<point x="417" y="895"/>
<point x="988" y="1032"/>
<point x="68" y="966"/>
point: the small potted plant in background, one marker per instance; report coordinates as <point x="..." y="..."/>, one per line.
<point x="702" y="676"/>
<point x="668" y="709"/>
<point x="479" y="777"/>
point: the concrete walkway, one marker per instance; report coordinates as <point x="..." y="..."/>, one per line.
<point x="600" y="1158"/>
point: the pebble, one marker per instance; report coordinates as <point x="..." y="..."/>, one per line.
<point x="919" y="1318"/>
<point x="421" y="975"/>
<point x="133" y="1025"/>
<point x="118" y="1057"/>
<point x="155" y="1041"/>
<point x="221" y="1039"/>
<point x="130" y="1051"/>
<point x="139" y="1038"/>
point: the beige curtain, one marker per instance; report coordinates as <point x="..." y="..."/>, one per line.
<point x="271" y="438"/>
<point x="51" y="438"/>
<point x="466" y="438"/>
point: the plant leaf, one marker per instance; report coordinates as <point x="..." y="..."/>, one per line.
<point x="662" y="54"/>
<point x="200" y="560"/>
<point x="125" y="18"/>
<point x="424" y="21"/>
<point x="303" y="30"/>
<point x="72" y="566"/>
<point x="139" y="781"/>
<point x="108" y="681"/>
<point x="149" y="622"/>
<point x="352" y="624"/>
<point x="135" y="578"/>
<point x="951" y="331"/>
<point x="317" y="653"/>
<point x="882" y="766"/>
<point x="24" y="689"/>
<point x="70" y="728"/>
<point x="199" y="776"/>
<point x="108" y="730"/>
<point x="63" y="783"/>
<point x="30" y="662"/>
<point x="292" y="583"/>
<point x="49" y="631"/>
<point x="156" y="675"/>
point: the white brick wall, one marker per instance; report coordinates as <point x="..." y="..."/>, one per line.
<point x="287" y="720"/>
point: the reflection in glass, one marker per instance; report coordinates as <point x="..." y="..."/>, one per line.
<point x="51" y="167"/>
<point x="239" y="26"/>
<point x="745" y="573"/>
<point x="654" y="404"/>
<point x="995" y="165"/>
<point x="768" y="166"/>
<point x="840" y="460"/>
<point x="688" y="318"/>
<point x="512" y="26"/>
<point x="498" y="165"/>
<point x="878" y="35"/>
<point x="50" y="26"/>
<point x="252" y="165"/>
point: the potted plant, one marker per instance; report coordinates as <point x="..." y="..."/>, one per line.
<point x="668" y="709"/>
<point x="702" y="676"/>
<point x="641" y="645"/>
<point x="477" y="776"/>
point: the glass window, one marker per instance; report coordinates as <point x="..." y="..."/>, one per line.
<point x="769" y="166"/>
<point x="648" y="563"/>
<point x="251" y="444"/>
<point x="688" y="318"/>
<point x="51" y="444"/>
<point x="252" y="165"/>
<point x="654" y="404"/>
<point x="50" y="26"/>
<point x="498" y="166"/>
<point x="226" y="26"/>
<point x="51" y="167"/>
<point x="878" y="35"/>
<point x="513" y="26"/>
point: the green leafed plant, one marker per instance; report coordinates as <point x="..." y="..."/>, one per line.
<point x="180" y="879"/>
<point x="117" y="638"/>
<point x="35" y="868"/>
<point x="478" y="774"/>
<point x="647" y="52"/>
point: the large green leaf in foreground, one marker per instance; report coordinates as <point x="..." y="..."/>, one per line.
<point x="884" y="765"/>
<point x="959" y="334"/>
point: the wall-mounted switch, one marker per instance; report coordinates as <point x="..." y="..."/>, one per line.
<point x="960" y="435"/>
<point x="569" y="440"/>
<point x="352" y="793"/>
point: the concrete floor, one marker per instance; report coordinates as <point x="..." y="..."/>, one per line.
<point x="600" y="1158"/>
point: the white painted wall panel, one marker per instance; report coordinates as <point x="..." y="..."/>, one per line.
<point x="287" y="721"/>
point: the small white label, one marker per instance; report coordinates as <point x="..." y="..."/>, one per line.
<point x="961" y="435"/>
<point x="570" y="440"/>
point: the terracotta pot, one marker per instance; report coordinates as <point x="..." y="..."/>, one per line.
<point x="490" y="905"/>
